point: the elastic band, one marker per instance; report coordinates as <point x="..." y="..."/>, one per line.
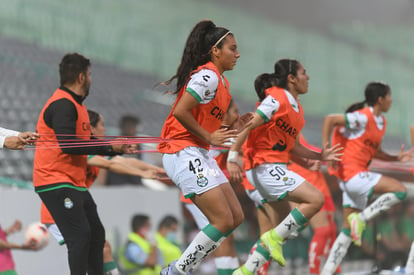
<point x="262" y="251"/>
<point x="212" y="232"/>
<point x="228" y="233"/>
<point x="400" y="195"/>
<point x="232" y="156"/>
<point x="108" y="266"/>
<point x="346" y="231"/>
<point x="221" y="38"/>
<point x="298" y="216"/>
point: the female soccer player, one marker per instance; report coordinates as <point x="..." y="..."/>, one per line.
<point x="322" y="223"/>
<point x="225" y="257"/>
<point x="191" y="127"/>
<point x="274" y="134"/>
<point x="360" y="132"/>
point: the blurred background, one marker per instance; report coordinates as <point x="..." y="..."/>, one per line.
<point x="134" y="45"/>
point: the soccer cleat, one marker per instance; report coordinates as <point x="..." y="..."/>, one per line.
<point x="274" y="245"/>
<point x="242" y="271"/>
<point x="263" y="270"/>
<point x="169" y="270"/>
<point x="357" y="228"/>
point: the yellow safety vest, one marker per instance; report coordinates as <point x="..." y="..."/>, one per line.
<point x="169" y="250"/>
<point x="133" y="268"/>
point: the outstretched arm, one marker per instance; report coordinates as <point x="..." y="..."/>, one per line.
<point x="402" y="156"/>
<point x="329" y="122"/>
<point x="310" y="164"/>
<point x="233" y="168"/>
<point x="15" y="140"/>
<point x="15" y="227"/>
<point x="137" y="163"/>
<point x="328" y="153"/>
<point x="120" y="168"/>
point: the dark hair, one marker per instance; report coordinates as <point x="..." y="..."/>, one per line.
<point x="283" y="68"/>
<point x="263" y="82"/>
<point x="93" y="117"/>
<point x="128" y="120"/>
<point x="197" y="50"/>
<point x="71" y="66"/>
<point x="167" y="221"/>
<point x="373" y="91"/>
<point x="138" y="221"/>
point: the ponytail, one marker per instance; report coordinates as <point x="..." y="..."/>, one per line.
<point x="263" y="82"/>
<point x="356" y="106"/>
<point x="373" y="91"/>
<point x="197" y="50"/>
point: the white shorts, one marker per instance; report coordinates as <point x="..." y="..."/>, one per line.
<point x="199" y="218"/>
<point x="256" y="197"/>
<point x="55" y="232"/>
<point x="273" y="181"/>
<point x="193" y="170"/>
<point x="356" y="191"/>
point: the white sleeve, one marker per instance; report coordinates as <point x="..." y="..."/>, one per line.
<point x="203" y="86"/>
<point x="6" y="133"/>
<point x="268" y="108"/>
<point x="356" y="120"/>
<point x="2" y="140"/>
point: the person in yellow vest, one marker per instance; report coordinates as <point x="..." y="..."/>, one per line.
<point x="166" y="238"/>
<point x="140" y="256"/>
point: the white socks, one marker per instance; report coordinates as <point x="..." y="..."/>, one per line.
<point x="409" y="267"/>
<point x="337" y="253"/>
<point x="258" y="258"/>
<point x="205" y="242"/>
<point x="226" y="264"/>
<point x="290" y="224"/>
<point x="382" y="203"/>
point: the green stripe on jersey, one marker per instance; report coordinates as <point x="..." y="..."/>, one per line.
<point x="91" y="156"/>
<point x="346" y="121"/>
<point x="262" y="115"/>
<point x="194" y="94"/>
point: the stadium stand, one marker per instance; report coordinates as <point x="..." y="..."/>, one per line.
<point x="134" y="46"/>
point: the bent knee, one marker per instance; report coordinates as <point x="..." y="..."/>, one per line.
<point x="319" y="201"/>
<point x="231" y="222"/>
<point x="238" y="219"/>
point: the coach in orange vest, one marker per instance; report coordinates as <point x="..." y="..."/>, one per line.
<point x="59" y="174"/>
